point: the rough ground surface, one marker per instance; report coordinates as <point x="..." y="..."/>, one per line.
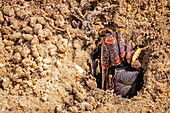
<point x="45" y="49"/>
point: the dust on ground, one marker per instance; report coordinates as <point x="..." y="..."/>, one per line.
<point x="46" y="48"/>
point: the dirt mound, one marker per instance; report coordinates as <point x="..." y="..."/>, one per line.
<point x="46" y="48"/>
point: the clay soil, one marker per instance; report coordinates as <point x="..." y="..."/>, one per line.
<point x="46" y="50"/>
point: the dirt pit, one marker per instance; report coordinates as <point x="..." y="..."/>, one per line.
<point x="46" y="55"/>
